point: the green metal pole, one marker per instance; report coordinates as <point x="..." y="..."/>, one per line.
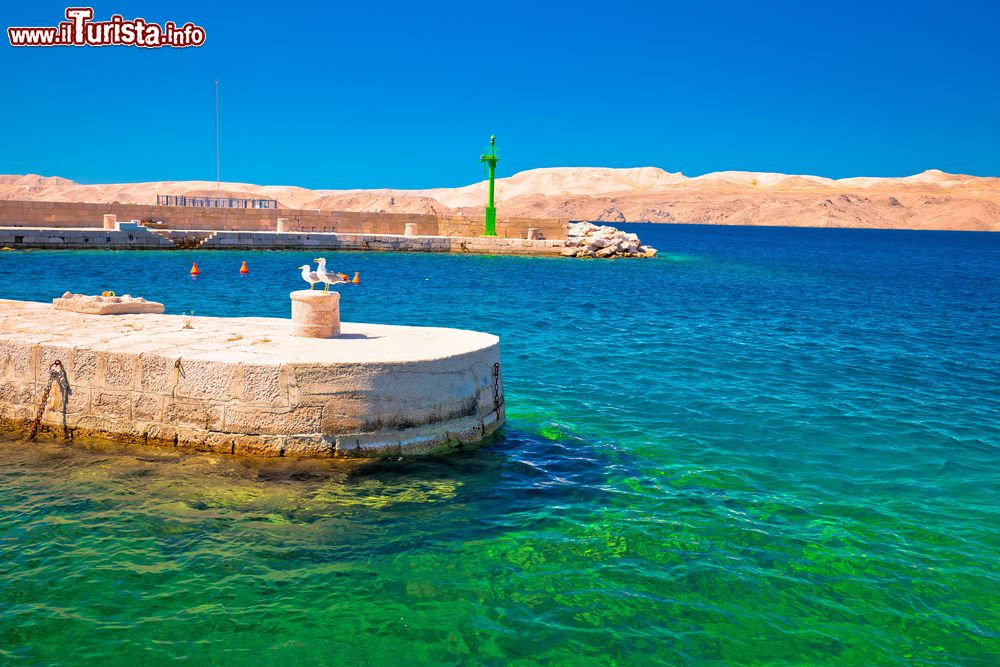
<point x="491" y="160"/>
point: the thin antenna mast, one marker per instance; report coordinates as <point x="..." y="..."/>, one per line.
<point x="218" y="163"/>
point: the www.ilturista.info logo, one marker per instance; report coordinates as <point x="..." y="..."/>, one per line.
<point x="80" y="30"/>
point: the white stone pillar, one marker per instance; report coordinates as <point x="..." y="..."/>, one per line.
<point x="410" y="229"/>
<point x="111" y="221"/>
<point x="534" y="234"/>
<point x="315" y="314"/>
<point x="282" y="225"/>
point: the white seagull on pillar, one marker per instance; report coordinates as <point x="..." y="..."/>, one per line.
<point x="309" y="275"/>
<point x="328" y="277"/>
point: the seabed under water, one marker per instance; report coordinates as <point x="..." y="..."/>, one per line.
<point x="765" y="446"/>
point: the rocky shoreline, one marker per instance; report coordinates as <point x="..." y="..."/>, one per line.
<point x="603" y="241"/>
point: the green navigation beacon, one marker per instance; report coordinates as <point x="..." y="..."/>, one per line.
<point x="491" y="160"/>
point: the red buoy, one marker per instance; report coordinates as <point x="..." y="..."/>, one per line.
<point x="243" y="269"/>
<point x="194" y="269"/>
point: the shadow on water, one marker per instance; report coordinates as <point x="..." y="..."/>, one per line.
<point x="520" y="468"/>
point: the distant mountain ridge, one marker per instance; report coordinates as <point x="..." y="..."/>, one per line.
<point x="932" y="199"/>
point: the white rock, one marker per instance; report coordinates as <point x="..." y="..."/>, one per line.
<point x="585" y="239"/>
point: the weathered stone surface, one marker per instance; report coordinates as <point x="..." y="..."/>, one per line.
<point x="121" y="370"/>
<point x="200" y="383"/>
<point x="115" y="405"/>
<point x="257" y="445"/>
<point x="156" y="372"/>
<point x="277" y="420"/>
<point x="204" y="378"/>
<point x="262" y="384"/>
<point x="84" y="366"/>
<point x="147" y="407"/>
<point x="14" y="364"/>
<point x="187" y="413"/>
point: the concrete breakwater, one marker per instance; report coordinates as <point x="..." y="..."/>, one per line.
<point x="75" y="215"/>
<point x="247" y="385"/>
<point x="583" y="239"/>
<point x="130" y="237"/>
<point x="137" y="237"/>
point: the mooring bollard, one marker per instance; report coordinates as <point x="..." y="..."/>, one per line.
<point x="315" y="314"/>
<point x="110" y="221"/>
<point x="410" y="229"/>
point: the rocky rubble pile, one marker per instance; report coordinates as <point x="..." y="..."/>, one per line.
<point x="590" y="240"/>
<point x="106" y="304"/>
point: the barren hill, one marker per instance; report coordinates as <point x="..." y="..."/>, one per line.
<point x="930" y="200"/>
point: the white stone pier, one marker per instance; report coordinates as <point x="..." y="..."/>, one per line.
<point x="250" y="385"/>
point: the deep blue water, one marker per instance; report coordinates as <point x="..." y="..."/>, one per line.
<point x="767" y="445"/>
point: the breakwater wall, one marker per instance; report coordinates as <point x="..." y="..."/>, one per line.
<point x="80" y="239"/>
<point x="247" y="385"/>
<point x="472" y="245"/>
<point x="142" y="238"/>
<point x="54" y="215"/>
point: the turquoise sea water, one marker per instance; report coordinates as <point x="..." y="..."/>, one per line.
<point x="767" y="446"/>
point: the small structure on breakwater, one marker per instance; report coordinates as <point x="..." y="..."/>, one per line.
<point x="307" y="386"/>
<point x="215" y="202"/>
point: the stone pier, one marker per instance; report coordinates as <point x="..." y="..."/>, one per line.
<point x="248" y="385"/>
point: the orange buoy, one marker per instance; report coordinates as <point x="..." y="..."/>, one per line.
<point x="357" y="279"/>
<point x="194" y="269"/>
<point x="243" y="269"/>
<point x="343" y="276"/>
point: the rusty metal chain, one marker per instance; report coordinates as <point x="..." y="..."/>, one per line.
<point x="497" y="399"/>
<point x="56" y="373"/>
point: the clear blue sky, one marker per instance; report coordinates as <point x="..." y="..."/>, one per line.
<point x="390" y="94"/>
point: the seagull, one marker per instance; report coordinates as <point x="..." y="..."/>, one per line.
<point x="309" y="275"/>
<point x="327" y="277"/>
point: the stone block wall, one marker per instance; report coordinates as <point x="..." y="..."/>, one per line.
<point x="363" y="242"/>
<point x="87" y="215"/>
<point x="466" y="226"/>
<point x="135" y="239"/>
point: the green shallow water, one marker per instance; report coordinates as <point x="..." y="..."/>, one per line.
<point x="766" y="447"/>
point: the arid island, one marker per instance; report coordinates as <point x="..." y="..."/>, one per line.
<point x="929" y="200"/>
